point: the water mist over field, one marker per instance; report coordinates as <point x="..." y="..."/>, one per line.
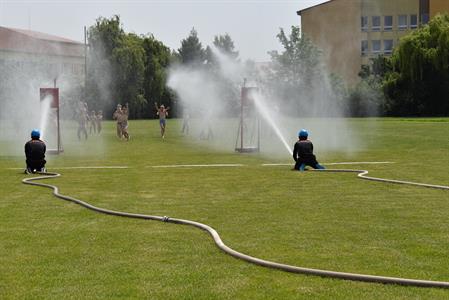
<point x="204" y="101"/>
<point x="21" y="108"/>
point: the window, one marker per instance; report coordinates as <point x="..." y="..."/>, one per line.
<point x="388" y="23"/>
<point x="424" y="10"/>
<point x="364" y="23"/>
<point x="376" y="46"/>
<point x="388" y="46"/>
<point x="364" y="47"/>
<point x="413" y="21"/>
<point x="376" y="23"/>
<point x="402" y="22"/>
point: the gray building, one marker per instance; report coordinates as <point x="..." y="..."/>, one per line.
<point x="52" y="56"/>
<point x="30" y="60"/>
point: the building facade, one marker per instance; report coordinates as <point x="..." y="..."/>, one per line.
<point x="30" y="60"/>
<point x="30" y="51"/>
<point x="350" y="32"/>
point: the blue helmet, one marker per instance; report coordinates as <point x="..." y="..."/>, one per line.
<point x="303" y="133"/>
<point x="35" y="134"/>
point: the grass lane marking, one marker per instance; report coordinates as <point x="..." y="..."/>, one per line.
<point x="340" y="163"/>
<point x="196" y="166"/>
<point x="86" y="167"/>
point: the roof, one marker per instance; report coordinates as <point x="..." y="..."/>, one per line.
<point x="43" y="36"/>
<point x="28" y="41"/>
<point x="299" y="12"/>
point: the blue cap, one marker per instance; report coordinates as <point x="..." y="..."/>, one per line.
<point x="303" y="133"/>
<point x="35" y="133"/>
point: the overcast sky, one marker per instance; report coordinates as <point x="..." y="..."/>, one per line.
<point x="252" y="24"/>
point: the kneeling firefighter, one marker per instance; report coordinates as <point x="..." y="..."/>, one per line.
<point x="35" y="153"/>
<point x="303" y="152"/>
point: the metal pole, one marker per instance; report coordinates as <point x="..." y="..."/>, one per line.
<point x="241" y="121"/>
<point x="85" y="63"/>
<point x="59" y="130"/>
<point x="241" y="113"/>
<point x="58" y="149"/>
<point x="258" y="133"/>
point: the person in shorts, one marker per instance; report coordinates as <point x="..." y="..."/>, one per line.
<point x="162" y="112"/>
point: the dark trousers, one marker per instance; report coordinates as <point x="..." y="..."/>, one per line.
<point x="301" y="163"/>
<point x="37" y="165"/>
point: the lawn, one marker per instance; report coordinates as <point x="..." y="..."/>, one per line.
<point x="53" y="249"/>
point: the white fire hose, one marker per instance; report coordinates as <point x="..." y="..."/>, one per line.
<point x="255" y="260"/>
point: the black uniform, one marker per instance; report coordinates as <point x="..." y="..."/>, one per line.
<point x="303" y="154"/>
<point x="35" y="155"/>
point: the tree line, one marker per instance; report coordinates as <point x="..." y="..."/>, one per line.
<point x="125" y="67"/>
<point x="413" y="81"/>
<point x="128" y="68"/>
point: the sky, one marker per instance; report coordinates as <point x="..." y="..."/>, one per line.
<point x="252" y="24"/>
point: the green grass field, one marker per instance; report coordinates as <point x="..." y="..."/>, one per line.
<point x="53" y="249"/>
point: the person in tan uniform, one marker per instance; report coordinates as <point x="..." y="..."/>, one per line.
<point x="121" y="115"/>
<point x="99" y="119"/>
<point x="92" y="122"/>
<point x="124" y="121"/>
<point x="117" y="116"/>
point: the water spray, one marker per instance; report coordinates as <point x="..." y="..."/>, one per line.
<point x="252" y="107"/>
<point x="217" y="93"/>
<point x="264" y="110"/>
<point x="44" y="115"/>
<point x="49" y="122"/>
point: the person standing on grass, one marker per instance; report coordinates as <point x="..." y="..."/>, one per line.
<point x="82" y="121"/>
<point x="117" y="115"/>
<point x="99" y="119"/>
<point x="124" y="121"/>
<point x="92" y="122"/>
<point x="206" y="128"/>
<point x="186" y="122"/>
<point x="162" y="112"/>
<point x="303" y="152"/>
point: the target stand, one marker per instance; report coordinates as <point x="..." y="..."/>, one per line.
<point x="248" y="133"/>
<point x="49" y="99"/>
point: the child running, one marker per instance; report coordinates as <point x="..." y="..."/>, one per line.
<point x="162" y="112"/>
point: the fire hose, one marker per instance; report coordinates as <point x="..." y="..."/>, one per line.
<point x="255" y="260"/>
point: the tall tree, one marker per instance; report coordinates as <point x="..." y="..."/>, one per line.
<point x="191" y="51"/>
<point x="223" y="65"/>
<point x="366" y="97"/>
<point x="116" y="65"/>
<point x="225" y="44"/>
<point x="299" y="80"/>
<point x="129" y="58"/>
<point x="299" y="61"/>
<point x="157" y="57"/>
<point x="105" y="36"/>
<point x="418" y="84"/>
